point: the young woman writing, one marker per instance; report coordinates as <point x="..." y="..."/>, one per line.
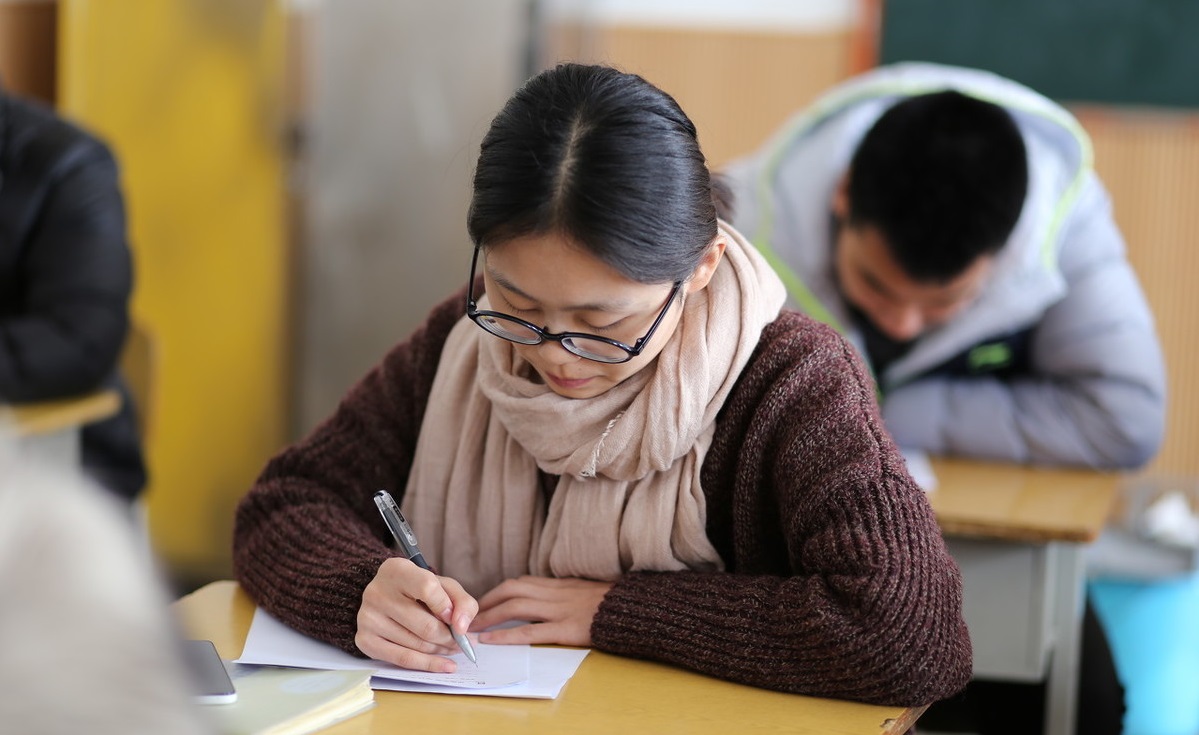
<point x="614" y="432"/>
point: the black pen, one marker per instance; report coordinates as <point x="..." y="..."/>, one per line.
<point x="406" y="539"/>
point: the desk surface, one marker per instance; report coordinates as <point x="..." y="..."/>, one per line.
<point x="608" y="694"/>
<point x="1019" y="503"/>
<point x="50" y="416"/>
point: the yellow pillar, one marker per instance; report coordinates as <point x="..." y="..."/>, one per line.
<point x="189" y="93"/>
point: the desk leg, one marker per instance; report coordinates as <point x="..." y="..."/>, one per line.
<point x="1061" y="692"/>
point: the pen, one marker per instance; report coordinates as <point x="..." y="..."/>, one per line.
<point x="407" y="541"/>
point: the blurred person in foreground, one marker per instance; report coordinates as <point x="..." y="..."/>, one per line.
<point x="949" y="222"/>
<point x="65" y="280"/>
<point x="88" y="643"/>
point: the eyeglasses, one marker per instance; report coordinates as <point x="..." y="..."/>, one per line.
<point x="589" y="346"/>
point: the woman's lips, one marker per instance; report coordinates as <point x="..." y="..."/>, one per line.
<point x="567" y="383"/>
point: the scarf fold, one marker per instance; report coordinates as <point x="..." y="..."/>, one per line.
<point x="628" y="462"/>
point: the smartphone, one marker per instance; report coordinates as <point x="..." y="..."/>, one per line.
<point x="210" y="678"/>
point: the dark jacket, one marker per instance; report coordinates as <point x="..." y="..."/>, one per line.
<point x="65" y="279"/>
<point x="838" y="583"/>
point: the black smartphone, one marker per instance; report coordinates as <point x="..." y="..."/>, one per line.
<point x="212" y="684"/>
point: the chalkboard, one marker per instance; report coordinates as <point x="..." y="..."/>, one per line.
<point x="1136" y="52"/>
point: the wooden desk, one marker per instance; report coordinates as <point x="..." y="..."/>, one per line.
<point x="608" y="694"/>
<point x="1019" y="535"/>
<point x="50" y="429"/>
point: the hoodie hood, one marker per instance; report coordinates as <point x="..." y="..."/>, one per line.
<point x="784" y="193"/>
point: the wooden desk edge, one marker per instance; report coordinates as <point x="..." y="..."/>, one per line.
<point x="966" y="478"/>
<point x="50" y="416"/>
<point x="900" y="725"/>
<point x="976" y="530"/>
<point x="227" y="594"/>
<point x="227" y="588"/>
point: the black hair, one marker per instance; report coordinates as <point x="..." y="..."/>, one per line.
<point x="943" y="177"/>
<point x="606" y="159"/>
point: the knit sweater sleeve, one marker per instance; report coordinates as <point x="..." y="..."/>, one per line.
<point x="838" y="582"/>
<point x="307" y="538"/>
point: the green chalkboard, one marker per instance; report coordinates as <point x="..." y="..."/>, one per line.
<point x="1137" y="52"/>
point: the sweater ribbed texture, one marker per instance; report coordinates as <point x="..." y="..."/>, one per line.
<point x="838" y="582"/>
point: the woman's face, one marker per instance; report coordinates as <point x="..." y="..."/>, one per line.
<point x="559" y="286"/>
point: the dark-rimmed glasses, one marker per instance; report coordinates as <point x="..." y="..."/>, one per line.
<point x="588" y="346"/>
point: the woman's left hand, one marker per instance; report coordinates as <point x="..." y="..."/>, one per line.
<point x="560" y="610"/>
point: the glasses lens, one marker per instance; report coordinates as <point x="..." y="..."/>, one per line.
<point x="595" y="349"/>
<point x="516" y="331"/>
<point x="508" y="329"/>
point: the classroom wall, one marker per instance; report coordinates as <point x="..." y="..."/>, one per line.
<point x="1111" y="52"/>
<point x="401" y="92"/>
<point x="1149" y="160"/>
<point x="28" y="48"/>
<point x="399" y="95"/>
<point x="189" y="94"/>
<point x="738" y="69"/>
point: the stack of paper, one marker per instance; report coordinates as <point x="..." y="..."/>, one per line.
<point x="502" y="671"/>
<point x="274" y="700"/>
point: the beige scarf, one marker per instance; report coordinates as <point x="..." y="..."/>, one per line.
<point x="629" y="460"/>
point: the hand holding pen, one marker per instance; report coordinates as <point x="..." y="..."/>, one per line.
<point x="406" y="541"/>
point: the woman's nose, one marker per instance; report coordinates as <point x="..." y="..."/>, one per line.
<point x="552" y="351"/>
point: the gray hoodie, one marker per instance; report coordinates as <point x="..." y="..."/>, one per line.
<point x="1090" y="390"/>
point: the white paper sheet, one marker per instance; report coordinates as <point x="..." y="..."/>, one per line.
<point x="504" y="671"/>
<point x="549" y="670"/>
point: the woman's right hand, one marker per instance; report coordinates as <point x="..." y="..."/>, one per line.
<point x="405" y="613"/>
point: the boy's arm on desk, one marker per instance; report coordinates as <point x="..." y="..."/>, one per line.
<point x="1095" y="395"/>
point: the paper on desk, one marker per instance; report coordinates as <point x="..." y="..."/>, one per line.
<point x="549" y="670"/>
<point x="545" y="672"/>
<point x="271" y="642"/>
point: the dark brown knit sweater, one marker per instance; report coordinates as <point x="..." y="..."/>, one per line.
<point x="838" y="582"/>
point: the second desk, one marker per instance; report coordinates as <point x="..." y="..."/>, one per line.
<point x="1019" y="535"/>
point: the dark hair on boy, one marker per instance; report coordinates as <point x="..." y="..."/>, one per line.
<point x="604" y="158"/>
<point x="943" y="178"/>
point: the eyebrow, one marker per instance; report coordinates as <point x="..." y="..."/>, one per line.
<point x="953" y="298"/>
<point x="874" y="282"/>
<point x="948" y="299"/>
<point x="618" y="305"/>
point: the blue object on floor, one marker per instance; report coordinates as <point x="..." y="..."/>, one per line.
<point x="1153" y="630"/>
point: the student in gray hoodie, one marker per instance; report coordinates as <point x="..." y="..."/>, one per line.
<point x="968" y="248"/>
<point x="949" y="223"/>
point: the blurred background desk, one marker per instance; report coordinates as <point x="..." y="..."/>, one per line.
<point x="50" y="430"/>
<point x="1019" y="535"/>
<point x="608" y="694"/>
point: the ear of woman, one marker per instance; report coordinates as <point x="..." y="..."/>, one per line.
<point x="707" y="265"/>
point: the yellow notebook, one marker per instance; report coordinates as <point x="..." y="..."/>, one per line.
<point x="278" y="700"/>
